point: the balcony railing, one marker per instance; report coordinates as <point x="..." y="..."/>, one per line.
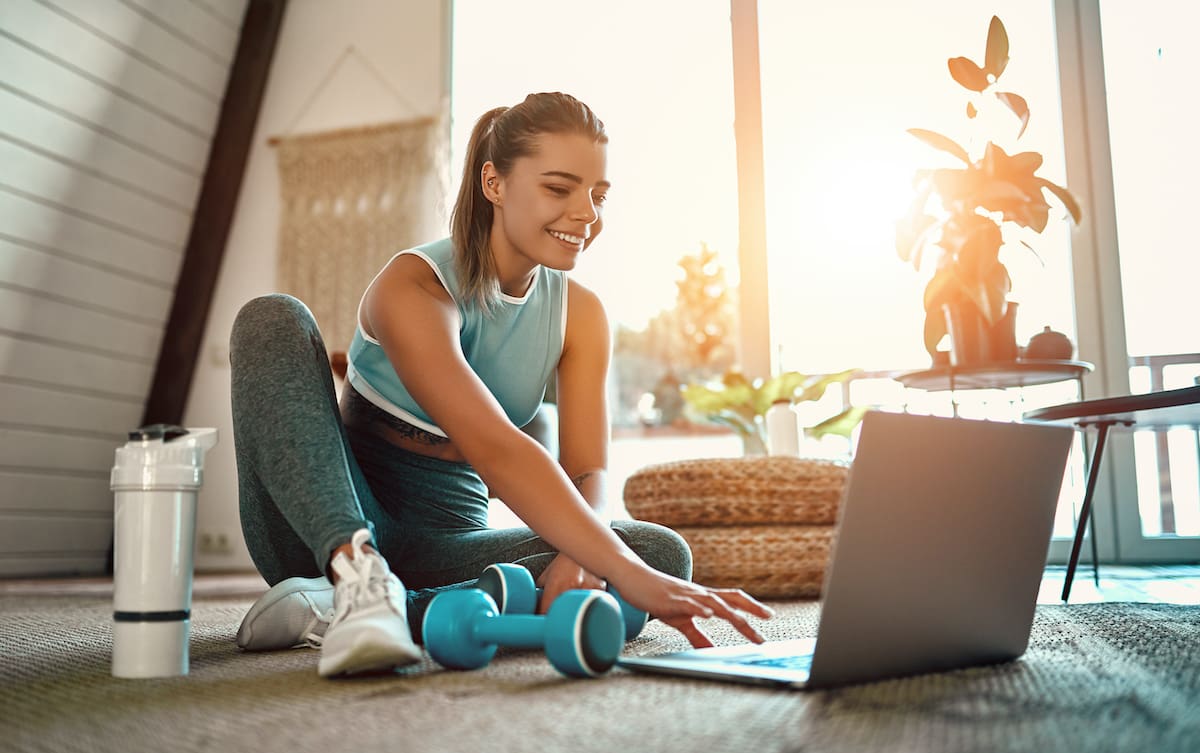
<point x="1167" y="462"/>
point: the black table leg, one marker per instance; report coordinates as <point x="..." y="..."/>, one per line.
<point x="1086" y="510"/>
<point x="1095" y="555"/>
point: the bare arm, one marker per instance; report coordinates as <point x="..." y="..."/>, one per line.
<point x="582" y="399"/>
<point x="416" y="322"/>
<point x="583" y="425"/>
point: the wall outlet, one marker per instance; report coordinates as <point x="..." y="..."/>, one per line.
<point x="218" y="354"/>
<point x="214" y="543"/>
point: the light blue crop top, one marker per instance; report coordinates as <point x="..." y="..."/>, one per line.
<point x="514" y="351"/>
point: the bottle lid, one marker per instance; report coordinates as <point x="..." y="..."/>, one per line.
<point x="165" y="432"/>
<point x="151" y="461"/>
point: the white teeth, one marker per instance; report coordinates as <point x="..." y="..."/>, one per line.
<point x="568" y="238"/>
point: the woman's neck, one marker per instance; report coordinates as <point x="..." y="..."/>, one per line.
<point x="513" y="271"/>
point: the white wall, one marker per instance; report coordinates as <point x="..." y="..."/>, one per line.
<point x="407" y="41"/>
<point x="107" y="111"/>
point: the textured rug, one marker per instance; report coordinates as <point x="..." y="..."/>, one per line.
<point x="1097" y="677"/>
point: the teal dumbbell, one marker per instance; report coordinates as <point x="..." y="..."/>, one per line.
<point x="513" y="589"/>
<point x="581" y="634"/>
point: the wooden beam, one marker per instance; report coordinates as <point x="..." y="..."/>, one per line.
<point x="214" y="212"/>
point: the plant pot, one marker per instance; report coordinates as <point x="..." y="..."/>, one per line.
<point x="970" y="337"/>
<point x="1004" y="335"/>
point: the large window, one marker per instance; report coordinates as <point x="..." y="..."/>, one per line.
<point x="840" y="87"/>
<point x="1149" y="61"/>
<point x="658" y="75"/>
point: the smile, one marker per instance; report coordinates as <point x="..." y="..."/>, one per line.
<point x="567" y="237"/>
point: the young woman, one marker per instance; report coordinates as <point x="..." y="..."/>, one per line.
<point x="455" y="343"/>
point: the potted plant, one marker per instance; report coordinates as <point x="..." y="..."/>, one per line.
<point x="961" y="213"/>
<point x="741" y="404"/>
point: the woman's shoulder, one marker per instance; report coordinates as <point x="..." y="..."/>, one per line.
<point x="581" y="296"/>
<point x="427" y="267"/>
<point x="430" y="262"/>
<point x="585" y="310"/>
<point x="439" y="255"/>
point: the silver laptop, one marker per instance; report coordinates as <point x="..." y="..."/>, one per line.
<point x="940" y="547"/>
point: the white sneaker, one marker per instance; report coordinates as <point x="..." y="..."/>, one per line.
<point x="294" y="613"/>
<point x="369" y="629"/>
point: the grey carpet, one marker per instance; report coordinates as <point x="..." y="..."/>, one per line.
<point x="1099" y="677"/>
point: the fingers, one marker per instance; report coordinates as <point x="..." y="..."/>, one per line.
<point x="733" y="617"/>
<point x="687" y="625"/>
<point x="726" y="604"/>
<point x="743" y="601"/>
<point x="549" y="593"/>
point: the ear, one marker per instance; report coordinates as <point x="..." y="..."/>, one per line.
<point x="490" y="180"/>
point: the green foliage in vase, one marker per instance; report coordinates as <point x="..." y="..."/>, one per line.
<point x="993" y="189"/>
<point x="741" y="404"/>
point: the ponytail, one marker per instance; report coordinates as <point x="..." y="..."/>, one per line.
<point x="503" y="135"/>
<point x="471" y="221"/>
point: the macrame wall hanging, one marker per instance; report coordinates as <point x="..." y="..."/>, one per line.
<point x="352" y="198"/>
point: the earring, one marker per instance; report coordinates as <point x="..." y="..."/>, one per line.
<point x="491" y="182"/>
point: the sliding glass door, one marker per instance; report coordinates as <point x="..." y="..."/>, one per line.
<point x="1149" y="66"/>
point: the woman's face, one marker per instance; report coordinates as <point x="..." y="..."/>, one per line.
<point x="548" y="208"/>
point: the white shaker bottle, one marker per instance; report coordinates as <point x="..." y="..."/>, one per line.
<point x="155" y="479"/>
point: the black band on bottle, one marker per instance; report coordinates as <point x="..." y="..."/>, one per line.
<point x="178" y="615"/>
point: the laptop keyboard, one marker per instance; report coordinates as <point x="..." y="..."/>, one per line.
<point x="803" y="661"/>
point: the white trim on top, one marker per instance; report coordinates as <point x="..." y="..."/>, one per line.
<point x="566" y="296"/>
<point x="520" y="300"/>
<point x="406" y="252"/>
<point x="373" y="397"/>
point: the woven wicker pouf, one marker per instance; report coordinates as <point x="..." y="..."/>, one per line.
<point x="763" y="524"/>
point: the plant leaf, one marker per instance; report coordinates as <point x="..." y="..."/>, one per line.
<point x="780" y="387"/>
<point x="1033" y="251"/>
<point x="910" y="237"/>
<point x="968" y="74"/>
<point x="935" y="329"/>
<point x="816" y="389"/>
<point x="1065" y="196"/>
<point x="1040" y="211"/>
<point x="990" y="291"/>
<point x="995" y="58"/>
<point x="705" y="400"/>
<point x="953" y="185"/>
<point x="943" y="287"/>
<point x="1018" y="105"/>
<point x="842" y="424"/>
<point x="944" y="143"/>
<point x="997" y="192"/>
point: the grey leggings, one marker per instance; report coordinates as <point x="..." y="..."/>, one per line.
<point x="306" y="483"/>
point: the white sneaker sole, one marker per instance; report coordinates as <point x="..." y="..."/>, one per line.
<point x="369" y="651"/>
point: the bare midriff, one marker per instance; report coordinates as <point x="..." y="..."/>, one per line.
<point x="358" y="414"/>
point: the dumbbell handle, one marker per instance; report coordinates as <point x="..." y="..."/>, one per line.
<point x="517" y="630"/>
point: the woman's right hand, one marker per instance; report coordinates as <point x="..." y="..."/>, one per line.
<point x="679" y="603"/>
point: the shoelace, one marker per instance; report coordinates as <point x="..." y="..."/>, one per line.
<point x="312" y="638"/>
<point x="368" y="577"/>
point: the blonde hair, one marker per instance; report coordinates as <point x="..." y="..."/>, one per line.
<point x="502" y="136"/>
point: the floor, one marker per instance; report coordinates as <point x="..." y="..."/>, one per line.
<point x="1168" y="584"/>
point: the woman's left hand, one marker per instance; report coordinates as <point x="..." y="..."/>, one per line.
<point x="563" y="574"/>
